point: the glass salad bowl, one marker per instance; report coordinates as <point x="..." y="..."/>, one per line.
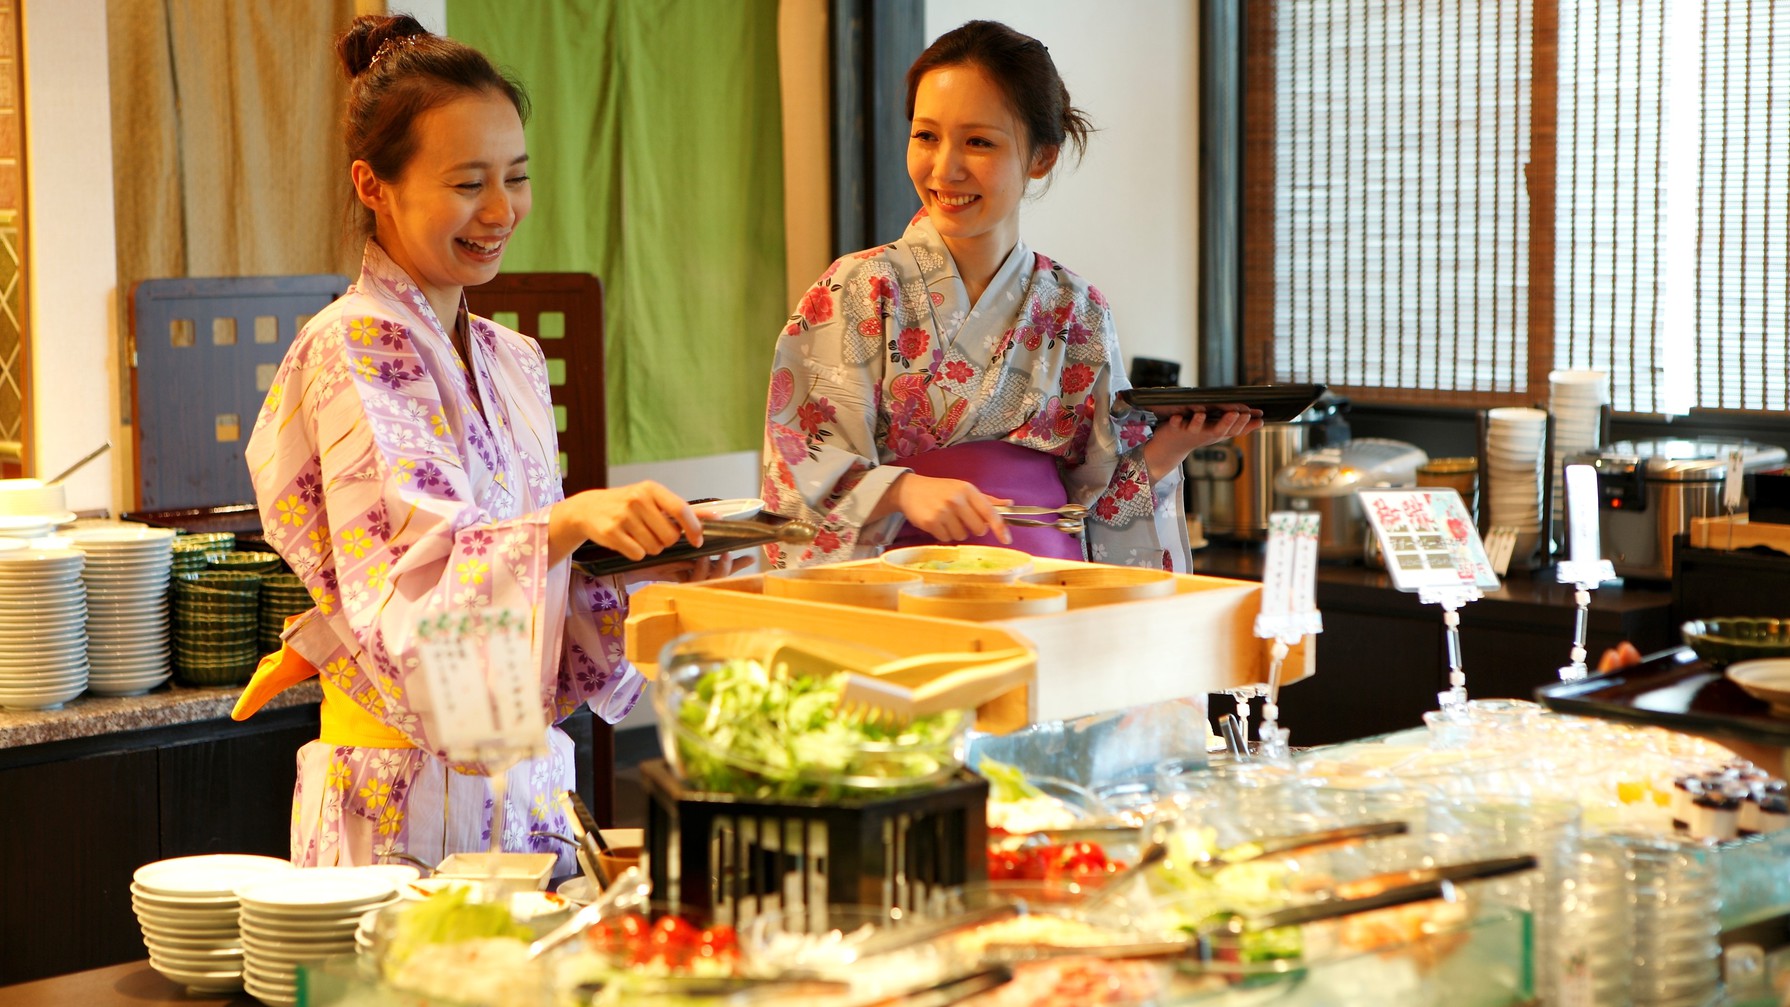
<point x="756" y="713"/>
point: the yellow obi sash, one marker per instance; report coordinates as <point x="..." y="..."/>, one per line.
<point x="344" y="722"/>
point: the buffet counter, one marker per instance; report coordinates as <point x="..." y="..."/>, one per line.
<point x="1513" y="640"/>
<point x="96" y="716"/>
<point x="132" y="982"/>
<point x="112" y="783"/>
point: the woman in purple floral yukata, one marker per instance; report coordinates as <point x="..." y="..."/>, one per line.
<point x="921" y="383"/>
<point x="406" y="466"/>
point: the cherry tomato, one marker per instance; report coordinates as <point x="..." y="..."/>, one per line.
<point x="602" y="937"/>
<point x="674" y="941"/>
<point x="1004" y="865"/>
<point x="718" y="942"/>
<point x="633" y="926"/>
<point x="617" y="936"/>
<point x="1077" y="861"/>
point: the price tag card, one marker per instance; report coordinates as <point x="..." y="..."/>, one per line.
<point x="1585" y="563"/>
<point x="1289" y="576"/>
<point x="479" y="670"/>
<point x="1428" y="538"/>
<point x="1733" y="483"/>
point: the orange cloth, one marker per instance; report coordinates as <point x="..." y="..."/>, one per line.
<point x="276" y="673"/>
<point x="344" y="722"/>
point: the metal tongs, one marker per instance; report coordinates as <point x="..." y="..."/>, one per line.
<point x="1070" y="519"/>
<point x="796" y="532"/>
<point x="631" y="889"/>
<point x="1301" y="842"/>
<point x="1384" y="891"/>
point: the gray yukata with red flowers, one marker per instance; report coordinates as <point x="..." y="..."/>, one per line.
<point x="885" y="358"/>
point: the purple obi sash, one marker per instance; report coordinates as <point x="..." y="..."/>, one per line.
<point x="1003" y="470"/>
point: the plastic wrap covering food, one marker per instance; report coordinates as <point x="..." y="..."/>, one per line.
<point x="1104" y="749"/>
<point x="1481" y="962"/>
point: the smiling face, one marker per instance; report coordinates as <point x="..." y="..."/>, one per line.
<point x="968" y="159"/>
<point x="447" y="219"/>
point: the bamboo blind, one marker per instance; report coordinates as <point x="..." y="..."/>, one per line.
<point x="1397" y="248"/>
<point x="1742" y="295"/>
<point x="1445" y="199"/>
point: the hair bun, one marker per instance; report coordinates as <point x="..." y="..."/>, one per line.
<point x="372" y="36"/>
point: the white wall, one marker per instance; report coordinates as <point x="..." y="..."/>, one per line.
<point x="734" y="474"/>
<point x="1127" y="219"/>
<point x="72" y="273"/>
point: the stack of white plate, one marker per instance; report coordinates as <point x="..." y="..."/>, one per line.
<point x="28" y="527"/>
<point x="364" y="931"/>
<point x="1576" y="400"/>
<point x="43" y="617"/>
<point x="302" y="918"/>
<point x="127" y="605"/>
<point x="188" y="910"/>
<point x="1516" y="440"/>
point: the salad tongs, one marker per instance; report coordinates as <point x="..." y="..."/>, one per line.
<point x="631" y="889"/>
<point x="1383" y="891"/>
<point x="900" y="690"/>
<point x="1302" y="842"/>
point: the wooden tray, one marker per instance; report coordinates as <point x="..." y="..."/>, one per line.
<point x="1730" y="533"/>
<point x="1090" y="660"/>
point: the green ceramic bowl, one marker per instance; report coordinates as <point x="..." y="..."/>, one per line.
<point x="1738" y="638"/>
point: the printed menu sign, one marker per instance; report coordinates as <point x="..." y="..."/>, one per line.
<point x="1289" y="575"/>
<point x="483" y="694"/>
<point x="1428" y="539"/>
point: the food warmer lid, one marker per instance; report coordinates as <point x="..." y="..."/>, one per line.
<point x="1320" y="473"/>
<point x="1388" y="462"/>
<point x="1359" y="464"/>
<point x="1674" y="460"/>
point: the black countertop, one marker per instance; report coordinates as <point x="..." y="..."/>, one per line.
<point x="1521" y="600"/>
<point x="1382" y="656"/>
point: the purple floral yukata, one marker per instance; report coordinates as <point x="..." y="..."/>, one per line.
<point x="885" y="358"/>
<point x="401" y="487"/>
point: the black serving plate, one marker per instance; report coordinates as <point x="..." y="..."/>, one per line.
<point x="1274" y="403"/>
<point x="600" y="562"/>
<point x="1674" y="689"/>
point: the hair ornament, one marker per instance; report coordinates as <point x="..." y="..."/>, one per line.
<point x="390" y="45"/>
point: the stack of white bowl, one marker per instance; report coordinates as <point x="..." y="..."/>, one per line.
<point x="187" y="908"/>
<point x="127" y="605"/>
<point x="1576" y="400"/>
<point x="1516" y="441"/>
<point x="31" y="509"/>
<point x="43" y="618"/>
<point x="302" y="918"/>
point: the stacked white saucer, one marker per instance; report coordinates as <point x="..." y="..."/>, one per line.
<point x="188" y="912"/>
<point x="126" y="575"/>
<point x="1576" y="400"/>
<point x="43" y="618"/>
<point x="1516" y="440"/>
<point x="302" y="918"/>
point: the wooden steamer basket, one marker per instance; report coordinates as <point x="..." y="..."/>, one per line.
<point x="1195" y="640"/>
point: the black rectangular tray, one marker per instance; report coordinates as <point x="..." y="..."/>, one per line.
<point x="600" y="562"/>
<point x="1676" y="690"/>
<point x="1275" y="403"/>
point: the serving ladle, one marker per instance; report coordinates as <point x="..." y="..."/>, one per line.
<point x="76" y="467"/>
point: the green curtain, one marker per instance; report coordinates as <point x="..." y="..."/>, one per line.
<point x="656" y="153"/>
